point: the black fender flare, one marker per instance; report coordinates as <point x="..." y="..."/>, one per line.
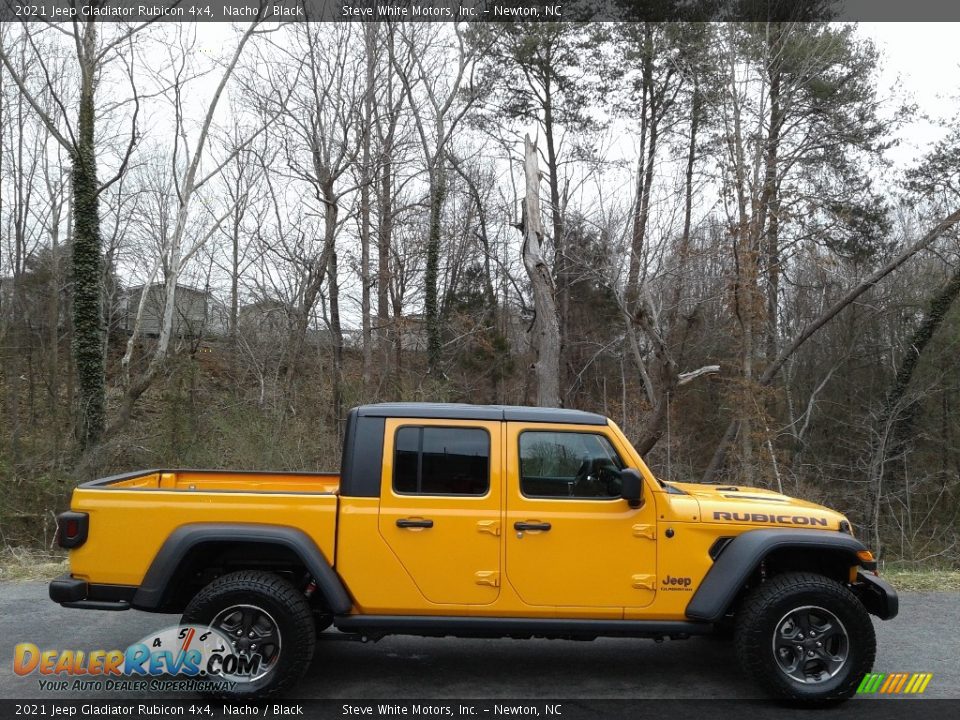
<point x="743" y="554"/>
<point x="150" y="595"/>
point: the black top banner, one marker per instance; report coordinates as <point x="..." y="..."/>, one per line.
<point x="139" y="11"/>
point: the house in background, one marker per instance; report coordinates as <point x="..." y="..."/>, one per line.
<point x="272" y="320"/>
<point x="412" y="330"/>
<point x="196" y="311"/>
<point x="264" y="318"/>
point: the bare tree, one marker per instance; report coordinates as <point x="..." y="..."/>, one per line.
<point x="545" y="333"/>
<point x="448" y="99"/>
<point x="320" y="105"/>
<point x="174" y="256"/>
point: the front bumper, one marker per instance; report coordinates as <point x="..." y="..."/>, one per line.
<point x="877" y="595"/>
<point x="72" y="592"/>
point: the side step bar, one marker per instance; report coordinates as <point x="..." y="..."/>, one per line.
<point x="487" y="627"/>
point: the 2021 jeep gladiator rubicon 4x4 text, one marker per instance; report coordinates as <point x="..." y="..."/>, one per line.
<point x="480" y="521"/>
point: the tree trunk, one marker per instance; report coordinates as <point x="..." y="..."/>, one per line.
<point x="235" y="278"/>
<point x="683" y="252"/>
<point x="556" y="214"/>
<point x="87" y="261"/>
<point x="745" y="289"/>
<point x="769" y="222"/>
<point x="70" y="373"/>
<point x="546" y="330"/>
<point x="366" y="178"/>
<point x="666" y="384"/>
<point x="648" y="151"/>
<point x="661" y="386"/>
<point x="53" y="323"/>
<point x="438" y="192"/>
<point x="667" y="377"/>
<point x="398" y="343"/>
<point x="384" y="231"/>
<point x="385" y="209"/>
<point x="336" y="332"/>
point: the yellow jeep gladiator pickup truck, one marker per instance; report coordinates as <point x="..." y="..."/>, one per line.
<point x="480" y="521"/>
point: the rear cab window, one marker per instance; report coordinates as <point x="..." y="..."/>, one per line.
<point x="431" y="460"/>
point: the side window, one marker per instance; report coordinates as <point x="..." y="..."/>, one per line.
<point x="441" y="461"/>
<point x="569" y="465"/>
<point x="406" y="460"/>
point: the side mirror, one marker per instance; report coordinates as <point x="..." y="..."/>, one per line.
<point x="632" y="490"/>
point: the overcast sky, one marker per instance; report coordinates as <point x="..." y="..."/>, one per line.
<point x="921" y="63"/>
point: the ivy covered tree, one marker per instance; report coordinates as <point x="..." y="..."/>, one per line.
<point x="78" y="137"/>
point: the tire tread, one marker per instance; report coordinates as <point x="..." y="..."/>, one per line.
<point x="751" y="645"/>
<point x="279" y="591"/>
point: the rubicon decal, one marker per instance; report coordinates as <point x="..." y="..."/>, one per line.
<point x="894" y="683"/>
<point x="767" y="518"/>
<point x="191" y="651"/>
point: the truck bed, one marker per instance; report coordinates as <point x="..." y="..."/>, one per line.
<point x="132" y="515"/>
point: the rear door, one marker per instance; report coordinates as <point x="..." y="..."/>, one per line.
<point x="571" y="539"/>
<point x="440" y="506"/>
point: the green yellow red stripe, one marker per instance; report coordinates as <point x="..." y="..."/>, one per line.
<point x="894" y="683"/>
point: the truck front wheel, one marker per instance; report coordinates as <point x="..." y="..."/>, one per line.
<point x="269" y="625"/>
<point x="805" y="637"/>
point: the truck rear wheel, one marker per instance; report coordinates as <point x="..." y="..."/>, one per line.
<point x="265" y="617"/>
<point x="805" y="637"/>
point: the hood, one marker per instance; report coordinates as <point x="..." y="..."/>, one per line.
<point x="738" y="505"/>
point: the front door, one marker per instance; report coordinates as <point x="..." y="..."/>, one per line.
<point x="571" y="539"/>
<point x="440" y="508"/>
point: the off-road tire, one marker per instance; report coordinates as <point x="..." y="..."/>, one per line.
<point x="286" y="606"/>
<point x="760" y="617"/>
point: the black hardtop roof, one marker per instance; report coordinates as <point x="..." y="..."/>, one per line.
<point x="463" y="411"/>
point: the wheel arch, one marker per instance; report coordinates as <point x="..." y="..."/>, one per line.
<point x="194" y="547"/>
<point x="823" y="551"/>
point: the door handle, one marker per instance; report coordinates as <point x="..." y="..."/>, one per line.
<point x="412" y="523"/>
<point x="521" y="526"/>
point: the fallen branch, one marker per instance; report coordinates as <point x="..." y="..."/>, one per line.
<point x="688" y="377"/>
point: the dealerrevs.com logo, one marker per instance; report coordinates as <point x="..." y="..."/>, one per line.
<point x="188" y="658"/>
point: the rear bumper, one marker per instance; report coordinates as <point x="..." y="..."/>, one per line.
<point x="877" y="595"/>
<point x="72" y="592"/>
